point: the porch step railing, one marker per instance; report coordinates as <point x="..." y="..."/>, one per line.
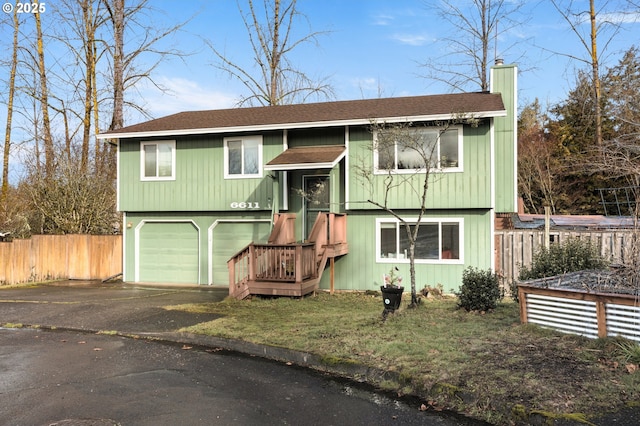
<point x="265" y="268"/>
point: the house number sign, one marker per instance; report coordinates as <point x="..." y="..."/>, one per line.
<point x="245" y="205"/>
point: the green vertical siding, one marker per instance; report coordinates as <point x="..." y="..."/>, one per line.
<point x="504" y="81"/>
<point x="199" y="184"/>
<point x="470" y="188"/>
<point x="359" y="270"/>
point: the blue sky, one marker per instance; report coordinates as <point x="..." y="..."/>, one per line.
<point x="372" y="48"/>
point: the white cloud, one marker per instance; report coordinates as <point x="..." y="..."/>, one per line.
<point x="182" y="94"/>
<point x="382" y="19"/>
<point x="412" y="39"/>
<point x="620" y="17"/>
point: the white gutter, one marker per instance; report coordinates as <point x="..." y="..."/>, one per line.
<point x="302" y="125"/>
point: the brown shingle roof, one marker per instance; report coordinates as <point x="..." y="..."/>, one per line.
<point x="312" y="114"/>
<point x="307" y="157"/>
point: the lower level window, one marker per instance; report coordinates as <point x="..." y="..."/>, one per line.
<point x="437" y="240"/>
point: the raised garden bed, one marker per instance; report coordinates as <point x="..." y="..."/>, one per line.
<point x="589" y="303"/>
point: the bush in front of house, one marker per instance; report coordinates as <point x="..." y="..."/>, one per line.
<point x="571" y="255"/>
<point x="480" y="290"/>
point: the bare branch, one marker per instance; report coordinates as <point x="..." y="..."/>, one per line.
<point x="277" y="81"/>
<point x="464" y="54"/>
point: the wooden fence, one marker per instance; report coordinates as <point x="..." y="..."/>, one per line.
<point x="48" y="257"/>
<point x="515" y="248"/>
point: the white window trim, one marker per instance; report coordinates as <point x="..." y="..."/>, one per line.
<point x="439" y="221"/>
<point x="457" y="169"/>
<point x="227" y="175"/>
<point x="172" y="143"/>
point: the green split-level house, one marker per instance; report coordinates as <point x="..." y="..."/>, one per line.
<point x="221" y="197"/>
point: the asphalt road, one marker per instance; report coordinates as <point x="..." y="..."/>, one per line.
<point x="70" y="375"/>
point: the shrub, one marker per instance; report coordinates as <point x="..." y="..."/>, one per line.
<point x="480" y="290"/>
<point x="570" y="256"/>
<point x="629" y="350"/>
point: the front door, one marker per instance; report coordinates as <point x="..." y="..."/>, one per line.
<point x="316" y="199"/>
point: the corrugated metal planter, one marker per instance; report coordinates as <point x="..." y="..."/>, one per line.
<point x="556" y="303"/>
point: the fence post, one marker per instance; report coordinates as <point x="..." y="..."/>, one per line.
<point x="522" y="298"/>
<point x="601" y="315"/>
<point x="298" y="263"/>
<point x="252" y="262"/>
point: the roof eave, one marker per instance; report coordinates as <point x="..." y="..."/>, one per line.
<point x="301" y="125"/>
<point x="301" y="166"/>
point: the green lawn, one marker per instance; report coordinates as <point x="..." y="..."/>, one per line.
<point x="486" y="365"/>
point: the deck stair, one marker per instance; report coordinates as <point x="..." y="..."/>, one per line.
<point x="284" y="267"/>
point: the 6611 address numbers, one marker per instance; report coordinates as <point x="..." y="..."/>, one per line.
<point x="245" y="205"/>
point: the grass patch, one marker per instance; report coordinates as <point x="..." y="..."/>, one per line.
<point x="108" y="332"/>
<point x="12" y="325"/>
<point x="493" y="362"/>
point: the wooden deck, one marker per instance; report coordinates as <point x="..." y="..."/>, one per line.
<point x="282" y="267"/>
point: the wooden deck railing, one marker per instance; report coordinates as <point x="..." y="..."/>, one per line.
<point x="287" y="263"/>
<point x="282" y="261"/>
<point x="274" y="262"/>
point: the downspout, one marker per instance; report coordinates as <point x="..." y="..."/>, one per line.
<point x="492" y="163"/>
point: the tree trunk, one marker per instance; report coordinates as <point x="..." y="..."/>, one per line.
<point x="484" y="11"/>
<point x="275" y="55"/>
<point x="596" y="73"/>
<point x="89" y="40"/>
<point x="49" y="155"/>
<point x="99" y="153"/>
<point x="412" y="262"/>
<point x="412" y="274"/>
<point x="117" y="115"/>
<point x="117" y="120"/>
<point x="12" y="86"/>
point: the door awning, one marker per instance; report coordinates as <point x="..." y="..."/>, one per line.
<point x="308" y="157"/>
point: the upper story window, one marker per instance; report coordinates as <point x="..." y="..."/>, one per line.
<point x="158" y="160"/>
<point x="439" y="240"/>
<point x="409" y="149"/>
<point x="243" y="157"/>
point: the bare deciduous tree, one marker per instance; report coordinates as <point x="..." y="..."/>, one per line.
<point x="124" y="57"/>
<point x="47" y="138"/>
<point x="601" y="25"/>
<point x="72" y="201"/>
<point x="539" y="170"/>
<point x="12" y="87"/>
<point x="620" y="159"/>
<point x="464" y="56"/>
<point x="116" y="13"/>
<point x="83" y="19"/>
<point x="417" y="148"/>
<point x="278" y="81"/>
